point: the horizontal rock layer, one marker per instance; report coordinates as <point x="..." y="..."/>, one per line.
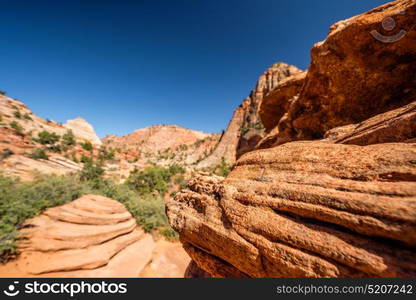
<point x="92" y="236"/>
<point x="305" y="209"/>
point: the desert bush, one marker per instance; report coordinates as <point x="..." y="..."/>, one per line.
<point x="17" y="114"/>
<point x="85" y="159"/>
<point x="6" y="153"/>
<point x="87" y="146"/>
<point x="47" y="138"/>
<point x="39" y="153"/>
<point x="92" y="171"/>
<point x="20" y="201"/>
<point x="18" y="129"/>
<point x="154" y="178"/>
<point x="105" y="154"/>
<point x="2" y="92"/>
<point x="27" y="117"/>
<point x="68" y="139"/>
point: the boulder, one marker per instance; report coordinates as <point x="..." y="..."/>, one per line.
<point x="92" y="236"/>
<point x="305" y="209"/>
<point x="353" y="75"/>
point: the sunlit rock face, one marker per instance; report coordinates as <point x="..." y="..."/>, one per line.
<point x="331" y="189"/>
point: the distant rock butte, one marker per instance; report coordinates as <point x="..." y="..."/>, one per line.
<point x="93" y="236"/>
<point x="160" y="144"/>
<point x="83" y="130"/>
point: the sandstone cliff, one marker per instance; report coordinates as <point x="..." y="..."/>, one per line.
<point x="19" y="130"/>
<point x="163" y="145"/>
<point x="14" y="110"/>
<point x="341" y="205"/>
<point x="245" y="129"/>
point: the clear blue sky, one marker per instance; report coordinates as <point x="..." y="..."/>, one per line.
<point x="124" y="65"/>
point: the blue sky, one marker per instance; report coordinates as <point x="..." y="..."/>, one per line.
<point x="124" y="65"/>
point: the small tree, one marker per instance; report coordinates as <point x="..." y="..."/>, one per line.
<point x="92" y="171"/>
<point x="18" y="129"/>
<point x="106" y="155"/>
<point x="2" y="92"/>
<point x="26" y="116"/>
<point x="222" y="169"/>
<point x="47" y="138"/>
<point x="87" y="146"/>
<point x="6" y="153"/>
<point x="39" y="154"/>
<point x="68" y="139"/>
<point x="17" y="114"/>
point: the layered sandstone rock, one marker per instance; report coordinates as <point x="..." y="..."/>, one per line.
<point x="354" y="76"/>
<point x="83" y="130"/>
<point x="273" y="106"/>
<point x="344" y="206"/>
<point x="398" y="125"/>
<point x="305" y="209"/>
<point x="19" y="129"/>
<point x="12" y="110"/>
<point x="28" y="169"/>
<point x="93" y="236"/>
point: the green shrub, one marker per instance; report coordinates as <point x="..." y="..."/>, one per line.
<point x="17" y="114"/>
<point x="6" y="153"/>
<point x="47" y="138"/>
<point x="18" y="129"/>
<point x="68" y="139"/>
<point x="87" y="146"/>
<point x="27" y="117"/>
<point x="39" y="154"/>
<point x="221" y="169"/>
<point x="85" y="159"/>
<point x="20" y="201"/>
<point x="151" y="179"/>
<point x="92" y="171"/>
<point x="3" y="93"/>
<point x="105" y="154"/>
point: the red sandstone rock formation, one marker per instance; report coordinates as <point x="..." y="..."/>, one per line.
<point x="353" y="76"/>
<point x="344" y="206"/>
<point x="93" y="236"/>
<point x="18" y="143"/>
<point x="245" y="129"/>
<point x="305" y="209"/>
<point x="163" y="145"/>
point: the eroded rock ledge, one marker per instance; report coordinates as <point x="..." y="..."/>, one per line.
<point x="305" y="209"/>
<point x="344" y="206"/>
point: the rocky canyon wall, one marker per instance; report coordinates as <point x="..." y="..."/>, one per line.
<point x="245" y="129"/>
<point x="331" y="190"/>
